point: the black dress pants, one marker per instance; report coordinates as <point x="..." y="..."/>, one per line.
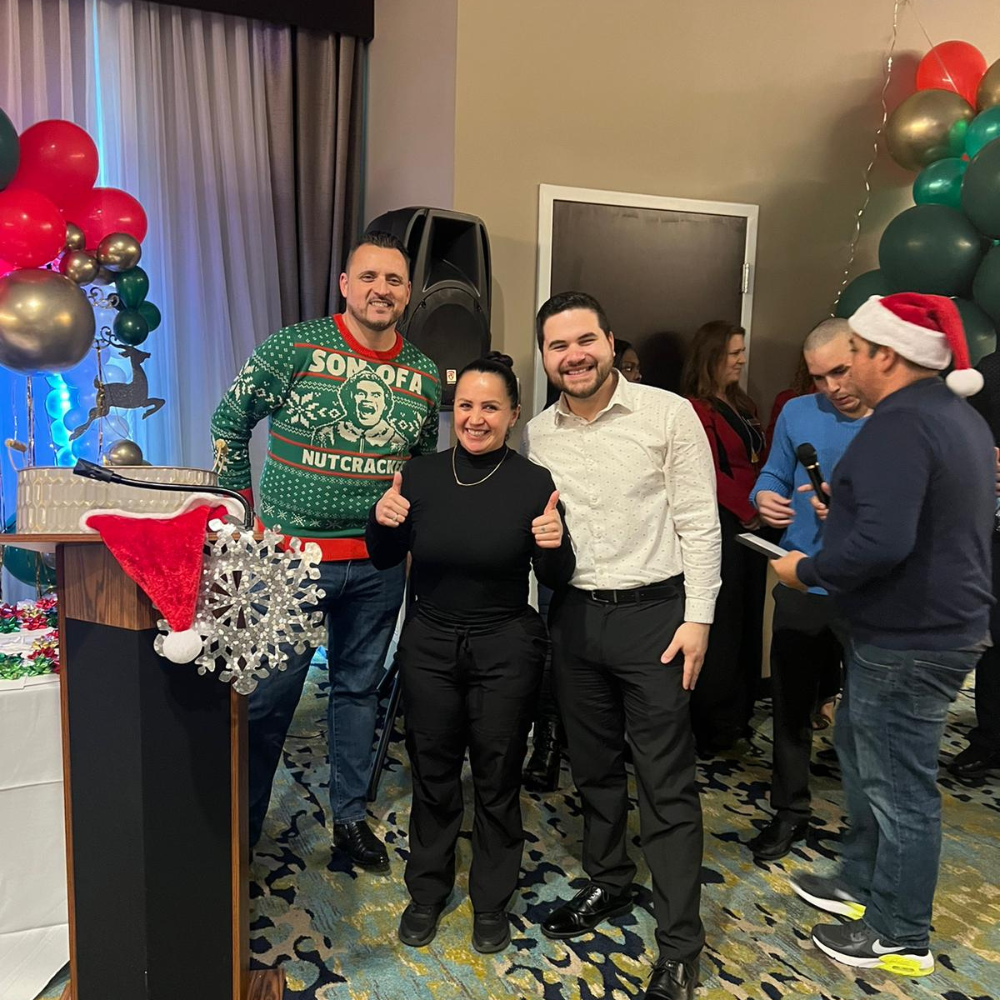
<point x="609" y="681"/>
<point x="986" y="735"/>
<point x="805" y="663"/>
<point x="468" y="687"/>
<point x="723" y="701"/>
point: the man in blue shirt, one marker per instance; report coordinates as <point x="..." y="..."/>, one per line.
<point x="805" y="652"/>
<point x="906" y="556"/>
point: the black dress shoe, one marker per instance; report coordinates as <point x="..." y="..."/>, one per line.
<point x="358" y="842"/>
<point x="974" y="762"/>
<point x="490" y="931"/>
<point x="419" y="923"/>
<point x="541" y="773"/>
<point x="673" y="980"/>
<point x="585" y="911"/>
<point x="776" y="839"/>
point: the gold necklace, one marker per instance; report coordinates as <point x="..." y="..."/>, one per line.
<point x="459" y="482"/>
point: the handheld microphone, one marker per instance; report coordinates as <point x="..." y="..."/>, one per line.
<point x="806" y="454"/>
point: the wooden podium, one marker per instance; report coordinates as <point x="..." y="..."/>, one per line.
<point x="154" y="762"/>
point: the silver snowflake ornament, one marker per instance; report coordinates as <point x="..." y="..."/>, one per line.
<point x="253" y="605"/>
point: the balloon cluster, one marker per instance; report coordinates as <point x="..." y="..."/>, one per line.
<point x="948" y="243"/>
<point x="59" y="232"/>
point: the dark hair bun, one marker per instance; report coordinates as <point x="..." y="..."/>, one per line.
<point x="501" y="359"/>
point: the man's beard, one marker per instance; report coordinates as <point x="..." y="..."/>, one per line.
<point x="602" y="371"/>
<point x="377" y="326"/>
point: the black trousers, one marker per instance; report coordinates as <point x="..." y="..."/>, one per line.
<point x="806" y="661"/>
<point x="722" y="703"/>
<point x="609" y="681"/>
<point x="468" y="687"/>
<point x="987" y="732"/>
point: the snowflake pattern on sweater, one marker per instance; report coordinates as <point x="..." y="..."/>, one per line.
<point x="343" y="419"/>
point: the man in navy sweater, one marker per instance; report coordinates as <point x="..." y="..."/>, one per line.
<point x="906" y="556"/>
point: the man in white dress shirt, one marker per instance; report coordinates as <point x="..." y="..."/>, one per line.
<point x="634" y="470"/>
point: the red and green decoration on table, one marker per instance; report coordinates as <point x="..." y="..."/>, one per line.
<point x="948" y="243"/>
<point x="42" y="657"/>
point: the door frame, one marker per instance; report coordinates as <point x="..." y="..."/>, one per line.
<point x="549" y="194"/>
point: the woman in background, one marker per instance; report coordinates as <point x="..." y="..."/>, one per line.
<point x="627" y="361"/>
<point x="475" y="519"/>
<point x="722" y="703"/>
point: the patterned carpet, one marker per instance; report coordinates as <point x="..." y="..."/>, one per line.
<point x="334" y="930"/>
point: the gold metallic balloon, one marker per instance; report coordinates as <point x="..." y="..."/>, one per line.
<point x="75" y="240"/>
<point x="929" y="125"/>
<point x="988" y="94"/>
<point x="124" y="452"/>
<point x="79" y="266"/>
<point x="46" y="322"/>
<point x="119" y="252"/>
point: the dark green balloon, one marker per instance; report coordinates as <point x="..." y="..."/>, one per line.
<point x="859" y="291"/>
<point x="10" y="150"/>
<point x="150" y="314"/>
<point x="980" y="330"/>
<point x="940" y="183"/>
<point x="983" y="129"/>
<point x="932" y="249"/>
<point x="130" y="327"/>
<point x="986" y="287"/>
<point x="132" y="286"/>
<point x="28" y="567"/>
<point x="981" y="189"/>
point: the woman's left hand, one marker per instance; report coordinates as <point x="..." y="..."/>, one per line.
<point x="548" y="526"/>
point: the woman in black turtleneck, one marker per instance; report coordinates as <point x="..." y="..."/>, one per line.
<point x="475" y="520"/>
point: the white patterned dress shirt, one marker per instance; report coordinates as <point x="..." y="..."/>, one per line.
<point x="638" y="485"/>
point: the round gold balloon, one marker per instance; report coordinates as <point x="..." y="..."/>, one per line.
<point x="75" y="240"/>
<point x="988" y="92"/>
<point x="46" y="322"/>
<point x="119" y="252"/>
<point x="79" y="266"/>
<point x="929" y="125"/>
<point x="124" y="452"/>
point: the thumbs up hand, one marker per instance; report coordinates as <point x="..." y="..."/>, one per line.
<point x="548" y="526"/>
<point x="392" y="508"/>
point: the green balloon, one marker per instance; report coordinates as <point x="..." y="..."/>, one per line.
<point x="150" y="314"/>
<point x="940" y="183"/>
<point x="132" y="286"/>
<point x="980" y="330"/>
<point x="10" y="150"/>
<point x="983" y="129"/>
<point x="859" y="291"/>
<point x="981" y="189"/>
<point x="130" y="327"/>
<point x="986" y="287"/>
<point x="28" y="567"/>
<point x="931" y="249"/>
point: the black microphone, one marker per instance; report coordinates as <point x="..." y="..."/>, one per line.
<point x="806" y="454"/>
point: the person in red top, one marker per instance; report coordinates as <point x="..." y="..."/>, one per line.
<point x="802" y="385"/>
<point x="722" y="703"/>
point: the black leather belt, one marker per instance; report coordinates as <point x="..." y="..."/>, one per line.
<point x="634" y="595"/>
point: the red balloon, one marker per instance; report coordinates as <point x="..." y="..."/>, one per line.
<point x="955" y="66"/>
<point x="5" y="268"/>
<point x="32" y="230"/>
<point x="58" y="159"/>
<point x="103" y="211"/>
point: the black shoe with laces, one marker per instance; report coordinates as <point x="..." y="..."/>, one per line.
<point x="589" y="907"/>
<point x="777" y="838"/>
<point x="361" y="845"/>
<point x="418" y="924"/>
<point x="490" y="931"/>
<point x="673" y="980"/>
<point x="857" y="945"/>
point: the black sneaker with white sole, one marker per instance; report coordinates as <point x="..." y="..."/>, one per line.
<point x="829" y="895"/>
<point x="857" y="945"/>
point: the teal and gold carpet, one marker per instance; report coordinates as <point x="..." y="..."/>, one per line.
<point x="334" y="930"/>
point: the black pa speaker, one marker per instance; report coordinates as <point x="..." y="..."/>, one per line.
<point x="448" y="317"/>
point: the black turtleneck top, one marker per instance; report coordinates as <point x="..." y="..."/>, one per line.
<point x="472" y="545"/>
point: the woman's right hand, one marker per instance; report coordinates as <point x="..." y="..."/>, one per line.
<point x="392" y="508"/>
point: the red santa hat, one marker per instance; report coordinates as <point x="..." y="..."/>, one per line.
<point x="924" y="329"/>
<point x="163" y="554"/>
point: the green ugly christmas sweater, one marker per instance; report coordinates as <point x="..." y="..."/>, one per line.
<point x="343" y="420"/>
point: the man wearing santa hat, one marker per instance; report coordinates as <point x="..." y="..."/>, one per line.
<point x="906" y="555"/>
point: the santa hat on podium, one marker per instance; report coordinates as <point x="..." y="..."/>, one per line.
<point x="163" y="554"/>
<point x="924" y="329"/>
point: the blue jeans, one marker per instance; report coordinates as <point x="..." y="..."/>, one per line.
<point x="888" y="734"/>
<point x="361" y="606"/>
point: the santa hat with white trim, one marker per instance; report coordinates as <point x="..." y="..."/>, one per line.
<point x="924" y="329"/>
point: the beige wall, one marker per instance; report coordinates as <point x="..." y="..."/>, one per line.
<point x="773" y="102"/>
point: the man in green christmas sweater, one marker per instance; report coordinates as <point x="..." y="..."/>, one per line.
<point x="348" y="402"/>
